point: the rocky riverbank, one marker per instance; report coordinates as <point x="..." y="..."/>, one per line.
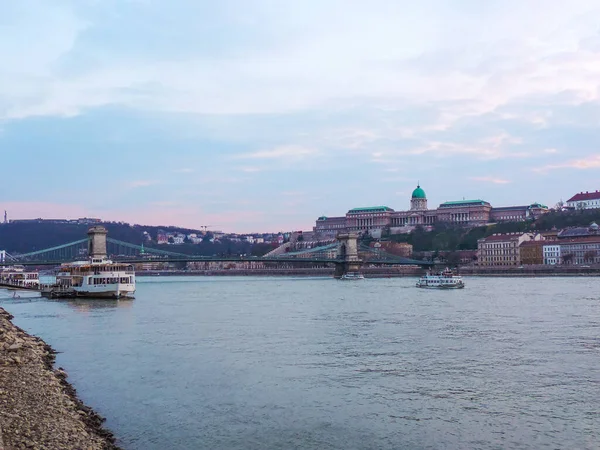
<point x="39" y="409"/>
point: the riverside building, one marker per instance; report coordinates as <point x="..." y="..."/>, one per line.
<point x="502" y="249"/>
<point x="551" y="253"/>
<point x="467" y="213"/>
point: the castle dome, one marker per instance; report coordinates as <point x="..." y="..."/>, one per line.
<point x="419" y="193"/>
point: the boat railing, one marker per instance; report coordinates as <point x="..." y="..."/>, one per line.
<point x="55" y="287"/>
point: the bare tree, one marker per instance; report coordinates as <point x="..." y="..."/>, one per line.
<point x="568" y="258"/>
<point x="590" y="256"/>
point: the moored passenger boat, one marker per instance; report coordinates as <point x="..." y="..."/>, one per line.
<point x="96" y="278"/>
<point x="18" y="278"/>
<point x="442" y="280"/>
<point x="352" y="276"/>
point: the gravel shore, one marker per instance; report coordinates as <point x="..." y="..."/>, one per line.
<point x="39" y="409"/>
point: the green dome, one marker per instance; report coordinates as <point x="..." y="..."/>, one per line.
<point x="418" y="193"/>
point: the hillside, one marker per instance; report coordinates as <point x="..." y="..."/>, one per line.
<point x="32" y="236"/>
<point x="448" y="237"/>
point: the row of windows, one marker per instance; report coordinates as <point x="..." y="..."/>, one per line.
<point x="331" y="226"/>
<point x="499" y="252"/>
<point x="367" y="215"/>
<point x="511" y="217"/>
<point x="499" y="245"/>
<point x="575" y="247"/>
<point x="123" y="280"/>
<point x="501" y="264"/>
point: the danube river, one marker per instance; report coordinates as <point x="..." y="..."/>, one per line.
<point x="271" y="363"/>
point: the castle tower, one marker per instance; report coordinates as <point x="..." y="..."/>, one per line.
<point x="418" y="202"/>
<point x="97" y="242"/>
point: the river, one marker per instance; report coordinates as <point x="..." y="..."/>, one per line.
<point x="274" y="363"/>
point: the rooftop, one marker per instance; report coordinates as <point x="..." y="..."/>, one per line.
<point x="419" y="193"/>
<point x="577" y="231"/>
<point x="582" y="196"/>
<point x="463" y="202"/>
<point x="535" y="243"/>
<point x="502" y="237"/>
<point x="579" y="240"/>
<point x="370" y="209"/>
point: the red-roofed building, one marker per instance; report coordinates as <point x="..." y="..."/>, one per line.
<point x="585" y="200"/>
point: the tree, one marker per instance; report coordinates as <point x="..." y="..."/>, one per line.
<point x="385" y="232"/>
<point x="453" y="259"/>
<point x="568" y="258"/>
<point x="366" y="239"/>
<point x="590" y="256"/>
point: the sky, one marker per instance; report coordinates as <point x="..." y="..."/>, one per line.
<point x="261" y="115"/>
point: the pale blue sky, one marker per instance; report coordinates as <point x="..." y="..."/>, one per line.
<point x="260" y="115"/>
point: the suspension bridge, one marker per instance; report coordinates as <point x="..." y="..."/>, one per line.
<point x="346" y="254"/>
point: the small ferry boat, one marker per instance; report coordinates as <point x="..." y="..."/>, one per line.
<point x="352" y="276"/>
<point x="16" y="277"/>
<point x="442" y="280"/>
<point x="96" y="278"/>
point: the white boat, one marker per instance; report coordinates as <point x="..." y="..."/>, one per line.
<point x="352" y="276"/>
<point x="18" y="278"/>
<point x="96" y="278"/>
<point x="442" y="280"/>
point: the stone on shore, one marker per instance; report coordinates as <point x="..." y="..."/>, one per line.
<point x="38" y="407"/>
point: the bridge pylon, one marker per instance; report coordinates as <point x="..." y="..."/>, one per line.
<point x="347" y="254"/>
<point x="97" y="242"/>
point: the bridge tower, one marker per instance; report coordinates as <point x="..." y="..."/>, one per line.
<point x="347" y="253"/>
<point x="97" y="242"/>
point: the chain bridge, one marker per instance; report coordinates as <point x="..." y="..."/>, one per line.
<point x="346" y="254"/>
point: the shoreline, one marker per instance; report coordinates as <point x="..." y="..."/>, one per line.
<point x="39" y="408"/>
<point x="370" y="273"/>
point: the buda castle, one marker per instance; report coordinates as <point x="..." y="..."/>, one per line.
<point x="467" y="213"/>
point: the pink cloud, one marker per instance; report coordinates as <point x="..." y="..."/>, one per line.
<point x="593" y="162"/>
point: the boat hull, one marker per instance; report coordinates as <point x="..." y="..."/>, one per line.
<point x="441" y="287"/>
<point x="86" y="294"/>
<point x="13" y="287"/>
<point x="113" y="291"/>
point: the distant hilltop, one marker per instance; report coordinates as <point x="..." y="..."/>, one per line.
<point x="27" y="235"/>
<point x="80" y="221"/>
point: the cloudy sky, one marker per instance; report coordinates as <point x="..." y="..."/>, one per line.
<point x="260" y="115"/>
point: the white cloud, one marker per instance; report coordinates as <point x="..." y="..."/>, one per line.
<point x="389" y="53"/>
<point x="249" y="169"/>
<point x="286" y="152"/>
<point x="140" y="183"/>
<point x="377" y="89"/>
<point x="494" y="180"/>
